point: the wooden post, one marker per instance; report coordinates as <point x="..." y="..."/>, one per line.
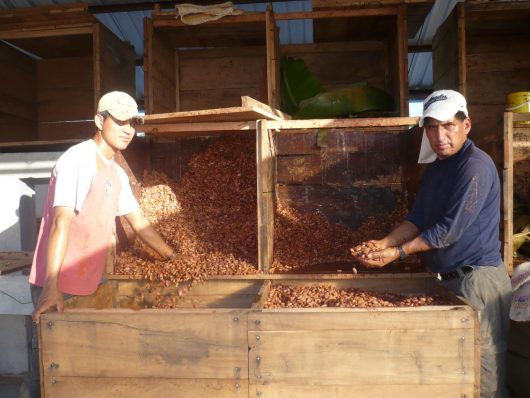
<point x="272" y="59"/>
<point x="402" y="45"/>
<point x="507" y="191"/>
<point x="461" y="24"/>
<point x="265" y="187"/>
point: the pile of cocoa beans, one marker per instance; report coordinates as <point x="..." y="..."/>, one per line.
<point x="284" y="296"/>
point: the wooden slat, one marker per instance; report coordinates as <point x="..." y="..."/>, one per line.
<point x="152" y="344"/>
<point x="126" y="387"/>
<point x="14" y="261"/>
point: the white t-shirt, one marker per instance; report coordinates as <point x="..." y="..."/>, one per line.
<point x="77" y="168"/>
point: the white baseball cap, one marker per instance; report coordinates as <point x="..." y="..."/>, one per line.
<point x="120" y="105"/>
<point x="443" y="105"/>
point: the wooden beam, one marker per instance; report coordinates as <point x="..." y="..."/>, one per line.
<point x="338" y="13"/>
<point x="395" y="122"/>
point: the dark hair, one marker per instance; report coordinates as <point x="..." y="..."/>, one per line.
<point x="460" y="116"/>
<point x="105" y="114"/>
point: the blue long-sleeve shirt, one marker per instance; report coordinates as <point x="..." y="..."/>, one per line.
<point x="457" y="210"/>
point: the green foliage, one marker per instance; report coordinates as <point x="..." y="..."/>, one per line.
<point x="297" y="84"/>
<point x="343" y="102"/>
<point x="303" y="96"/>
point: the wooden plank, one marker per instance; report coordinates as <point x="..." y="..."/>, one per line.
<point x="250" y="110"/>
<point x="361" y="390"/>
<point x="125" y="387"/>
<point x="507" y="192"/>
<point x="209" y="288"/>
<point x="398" y="122"/>
<point x="153" y="343"/>
<point x="274" y="114"/>
<point x="193" y="129"/>
<point x="360" y="12"/>
<point x="360" y="319"/>
<point x="67" y="30"/>
<point x="370" y="356"/>
<point x="14" y="261"/>
<point x="265" y="192"/>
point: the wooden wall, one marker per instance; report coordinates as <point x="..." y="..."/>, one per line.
<point x="343" y="174"/>
<point x="18" y="95"/>
<point x="65" y="93"/>
<point x="218" y="77"/>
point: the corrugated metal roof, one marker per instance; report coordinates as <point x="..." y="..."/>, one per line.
<point x="128" y="26"/>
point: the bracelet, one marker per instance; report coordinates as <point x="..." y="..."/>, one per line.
<point x="402" y="253"/>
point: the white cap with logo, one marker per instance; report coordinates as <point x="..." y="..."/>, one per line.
<point x="441" y="105"/>
<point x="120" y="105"/>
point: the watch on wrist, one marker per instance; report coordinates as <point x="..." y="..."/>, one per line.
<point x="402" y="253"/>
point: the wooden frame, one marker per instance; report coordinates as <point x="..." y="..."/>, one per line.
<point x="515" y="139"/>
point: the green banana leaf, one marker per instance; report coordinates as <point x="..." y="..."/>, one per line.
<point x="297" y="84"/>
<point x="343" y="102"/>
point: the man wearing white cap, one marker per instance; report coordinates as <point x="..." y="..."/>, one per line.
<point x="454" y="224"/>
<point x="87" y="191"/>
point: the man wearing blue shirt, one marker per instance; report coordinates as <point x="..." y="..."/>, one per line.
<point x="454" y="224"/>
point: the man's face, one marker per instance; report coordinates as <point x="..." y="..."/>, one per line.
<point x="116" y="133"/>
<point x="447" y="137"/>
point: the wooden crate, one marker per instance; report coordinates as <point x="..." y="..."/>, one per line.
<point x="482" y="50"/>
<point x="212" y="64"/>
<point x="228" y="346"/>
<point x="68" y="60"/>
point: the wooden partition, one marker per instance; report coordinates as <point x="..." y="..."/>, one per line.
<point x="57" y="62"/>
<point x="344" y="170"/>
